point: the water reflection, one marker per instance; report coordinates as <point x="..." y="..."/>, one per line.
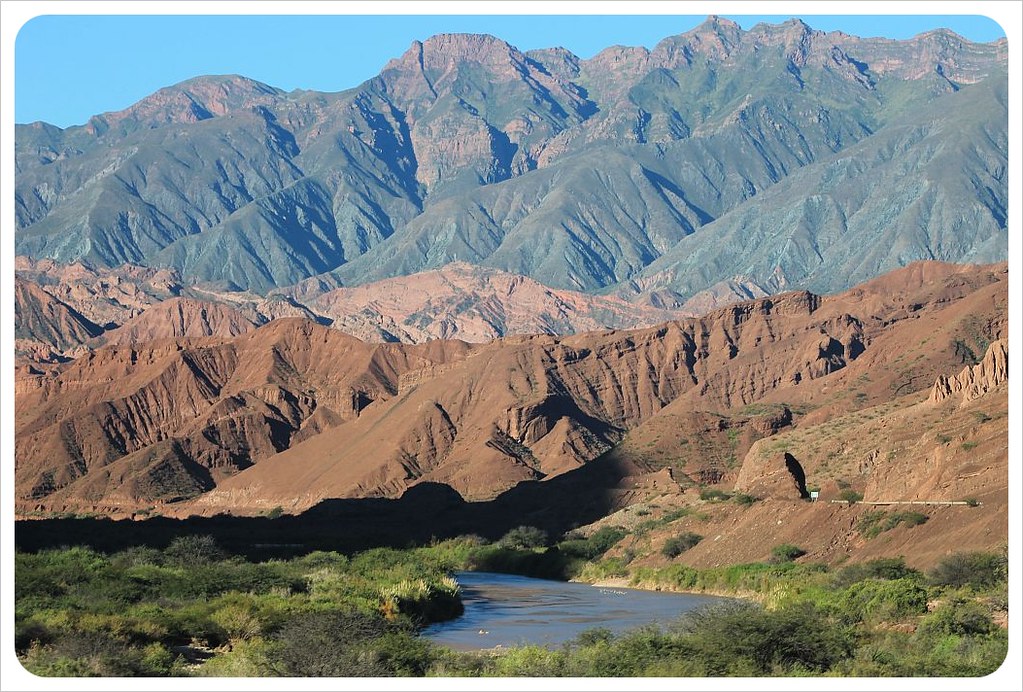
<point x="506" y="610"/>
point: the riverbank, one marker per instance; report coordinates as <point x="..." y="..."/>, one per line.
<point x="627" y="583"/>
<point x="83" y="612"/>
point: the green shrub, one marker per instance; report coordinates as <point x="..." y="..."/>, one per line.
<point x="744" y="499"/>
<point x="972" y="502"/>
<point x="594" y="635"/>
<point x="402" y="652"/>
<point x="424" y="601"/>
<point x="740" y="638"/>
<point x="332" y="644"/>
<point x="607" y="568"/>
<point x="530" y="661"/>
<point x="606" y="538"/>
<point x="881" y="568"/>
<point x="549" y="564"/>
<point x="979" y="570"/>
<point x="713" y="494"/>
<point x="874" y="523"/>
<point x="97" y="654"/>
<point x="676" y="545"/>
<point x="849" y="495"/>
<point x="883" y="599"/>
<point x="679" y="576"/>
<point x="593" y="547"/>
<point x="246" y="659"/>
<point x="786" y="552"/>
<point x="138" y="555"/>
<point x="910" y="519"/>
<point x="240" y="621"/>
<point x="958" y="616"/>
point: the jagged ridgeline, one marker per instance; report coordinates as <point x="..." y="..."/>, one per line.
<point x="784" y="156"/>
<point x="294" y="413"/>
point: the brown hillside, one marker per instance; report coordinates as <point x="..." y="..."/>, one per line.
<point x="294" y="413"/>
<point x="45" y="327"/>
<point x="104" y="296"/>
<point x="475" y="304"/>
<point x="176" y="318"/>
<point x="910" y="450"/>
<point x="193" y="411"/>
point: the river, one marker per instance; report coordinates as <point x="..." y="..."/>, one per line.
<point x="506" y="610"/>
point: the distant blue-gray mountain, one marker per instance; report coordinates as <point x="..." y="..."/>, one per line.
<point x="778" y="157"/>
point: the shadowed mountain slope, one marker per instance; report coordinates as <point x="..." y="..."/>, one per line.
<point x="42" y="323"/>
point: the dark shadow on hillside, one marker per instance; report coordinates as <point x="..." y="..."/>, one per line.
<point x="425" y="512"/>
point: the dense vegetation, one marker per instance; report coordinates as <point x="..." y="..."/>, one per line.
<point x="192" y="609"/>
<point x="143" y="611"/>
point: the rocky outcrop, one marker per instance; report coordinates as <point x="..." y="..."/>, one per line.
<point x="975" y="380"/>
<point x="779" y="476"/>
<point x="197" y="99"/>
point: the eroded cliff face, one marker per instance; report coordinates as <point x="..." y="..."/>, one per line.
<point x="45" y="326"/>
<point x="201" y="407"/>
<point x="293" y="413"/>
<point x="945" y="447"/>
<point x="977" y="380"/>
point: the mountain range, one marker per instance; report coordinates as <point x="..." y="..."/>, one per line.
<point x="489" y="288"/>
<point x="740" y="162"/>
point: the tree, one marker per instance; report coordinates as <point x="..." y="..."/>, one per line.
<point x="746" y="638"/>
<point x="194" y="550"/>
<point x="524" y="538"/>
<point x="330" y="644"/>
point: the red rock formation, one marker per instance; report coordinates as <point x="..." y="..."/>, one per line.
<point x="293" y="412"/>
<point x="45" y="327"/>
<point x="475" y="304"/>
<point x="975" y="380"/>
<point x="779" y="476"/>
<point x="176" y="318"/>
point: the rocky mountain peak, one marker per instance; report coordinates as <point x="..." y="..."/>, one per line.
<point x="715" y="37"/>
<point x="794" y="35"/>
<point x="443" y="51"/>
<point x="559" y="62"/>
<point x="714" y="23"/>
<point x="199" y="98"/>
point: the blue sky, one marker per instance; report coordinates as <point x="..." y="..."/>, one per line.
<point x="68" y="68"/>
